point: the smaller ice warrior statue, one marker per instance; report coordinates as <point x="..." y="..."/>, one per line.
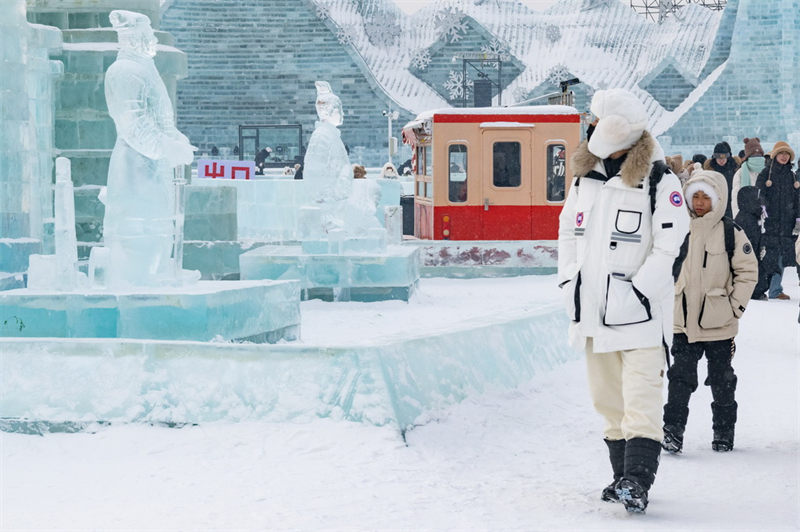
<point x="139" y="224"/>
<point x="328" y="173"/>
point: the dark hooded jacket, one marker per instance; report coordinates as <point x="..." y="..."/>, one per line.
<point x="782" y="201"/>
<point x="749" y="216"/>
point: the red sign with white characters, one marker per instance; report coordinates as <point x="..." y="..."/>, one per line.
<point x="219" y="169"/>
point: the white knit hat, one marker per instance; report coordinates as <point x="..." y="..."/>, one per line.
<point x="623" y="119"/>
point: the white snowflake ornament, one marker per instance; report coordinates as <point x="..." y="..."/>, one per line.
<point x="449" y="22"/>
<point x="558" y="74"/>
<point x="382" y="29"/>
<point x="421" y="59"/>
<point x="346" y="35"/>
<point x="455" y="85"/>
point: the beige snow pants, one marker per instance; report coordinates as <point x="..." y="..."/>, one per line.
<point x="627" y="390"/>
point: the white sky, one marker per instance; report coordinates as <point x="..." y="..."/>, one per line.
<point x="411" y="6"/>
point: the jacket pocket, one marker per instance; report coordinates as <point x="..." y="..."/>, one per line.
<point x="572" y="298"/>
<point x="679" y="309"/>
<point x="625" y="305"/>
<point x="628" y="222"/>
<point x="715" y="310"/>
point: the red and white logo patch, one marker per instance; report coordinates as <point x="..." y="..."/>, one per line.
<point x="676" y="199"/>
<point x="579" y="219"/>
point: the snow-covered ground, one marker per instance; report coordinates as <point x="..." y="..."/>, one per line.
<point x="526" y="459"/>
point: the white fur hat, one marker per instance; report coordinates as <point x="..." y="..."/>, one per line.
<point x="699" y="185"/>
<point x="623" y="119"/>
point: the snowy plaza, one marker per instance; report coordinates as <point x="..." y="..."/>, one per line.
<point x="302" y="264"/>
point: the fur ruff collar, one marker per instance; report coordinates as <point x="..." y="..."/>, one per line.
<point x="635" y="168"/>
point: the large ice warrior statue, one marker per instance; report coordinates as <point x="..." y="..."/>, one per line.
<point x="328" y="172"/>
<point x="139" y="224"/>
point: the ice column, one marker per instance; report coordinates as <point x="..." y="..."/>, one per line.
<point x="66" y="243"/>
<point x="393" y="217"/>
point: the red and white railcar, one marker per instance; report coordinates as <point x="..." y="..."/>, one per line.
<point x="491" y="173"/>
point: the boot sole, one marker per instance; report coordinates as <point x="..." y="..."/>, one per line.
<point x="632" y="504"/>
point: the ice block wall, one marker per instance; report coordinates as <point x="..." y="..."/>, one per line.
<point x="401" y="380"/>
<point x="26" y="133"/>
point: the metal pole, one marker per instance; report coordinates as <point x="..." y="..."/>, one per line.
<point x="464" y="83"/>
<point x="499" y="82"/>
<point x="177" y="246"/>
<point x="389" y="145"/>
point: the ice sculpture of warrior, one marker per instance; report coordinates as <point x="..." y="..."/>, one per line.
<point x="328" y="173"/>
<point x="139" y="217"/>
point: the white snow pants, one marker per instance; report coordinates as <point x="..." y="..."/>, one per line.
<point x="627" y="390"/>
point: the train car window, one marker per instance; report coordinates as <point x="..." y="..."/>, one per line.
<point x="506" y="164"/>
<point x="428" y="160"/>
<point x="420" y="160"/>
<point x="421" y="189"/>
<point x="556" y="172"/>
<point x="457" y="180"/>
<point x="428" y="190"/>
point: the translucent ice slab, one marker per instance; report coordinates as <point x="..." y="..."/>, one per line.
<point x="398" y="380"/>
<point x="367" y="273"/>
<point x="258" y="311"/>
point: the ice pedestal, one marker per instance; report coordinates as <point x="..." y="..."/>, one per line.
<point x="258" y="311"/>
<point x="401" y="380"/>
<point x="364" y="268"/>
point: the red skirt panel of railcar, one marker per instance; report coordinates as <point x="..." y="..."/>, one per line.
<point x="491" y="173"/>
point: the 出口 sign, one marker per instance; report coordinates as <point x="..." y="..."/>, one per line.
<point x="220" y="169"/>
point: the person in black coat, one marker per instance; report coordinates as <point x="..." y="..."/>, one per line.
<point x="780" y="188"/>
<point x="722" y="161"/>
<point x="750" y="219"/>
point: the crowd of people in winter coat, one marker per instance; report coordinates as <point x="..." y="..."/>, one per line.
<point x="763" y="197"/>
<point x="651" y="258"/>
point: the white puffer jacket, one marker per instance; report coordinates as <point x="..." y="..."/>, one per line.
<point x="615" y="257"/>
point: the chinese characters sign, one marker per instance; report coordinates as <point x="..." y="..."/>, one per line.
<point x="219" y="169"/>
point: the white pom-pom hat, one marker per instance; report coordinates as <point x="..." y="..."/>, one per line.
<point x="623" y="119"/>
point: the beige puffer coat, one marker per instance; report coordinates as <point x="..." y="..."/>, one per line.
<point x="709" y="300"/>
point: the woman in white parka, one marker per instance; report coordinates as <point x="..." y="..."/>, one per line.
<point x="616" y="251"/>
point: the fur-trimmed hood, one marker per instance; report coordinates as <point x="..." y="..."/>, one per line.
<point x="636" y="166"/>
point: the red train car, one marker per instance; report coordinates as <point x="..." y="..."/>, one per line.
<point x="491" y="173"/>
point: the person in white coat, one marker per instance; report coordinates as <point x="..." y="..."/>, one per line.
<point x="616" y="252"/>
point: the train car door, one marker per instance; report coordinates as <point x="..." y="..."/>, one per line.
<point x="507" y="184"/>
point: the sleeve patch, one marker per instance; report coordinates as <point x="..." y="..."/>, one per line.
<point x="676" y="199"/>
<point x="666" y="225"/>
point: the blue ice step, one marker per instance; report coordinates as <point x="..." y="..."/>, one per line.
<point x="257" y="311"/>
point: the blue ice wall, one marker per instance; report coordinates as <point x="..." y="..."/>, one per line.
<point x="255" y="62"/>
<point x="397" y="380"/>
<point x="758" y="93"/>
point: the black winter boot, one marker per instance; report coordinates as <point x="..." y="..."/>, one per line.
<point x="673" y="438"/>
<point x="616" y="453"/>
<point x="723" y="441"/>
<point x="641" y="464"/>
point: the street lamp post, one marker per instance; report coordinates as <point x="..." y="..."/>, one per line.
<point x="391" y="115"/>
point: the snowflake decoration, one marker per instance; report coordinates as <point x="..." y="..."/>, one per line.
<point x="455" y="85"/>
<point x="495" y="47"/>
<point x="520" y="94"/>
<point x="558" y="74"/>
<point x="382" y="30"/>
<point x="553" y="33"/>
<point x="421" y="59"/>
<point x="323" y="11"/>
<point x="346" y="35"/>
<point x="450" y="22"/>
